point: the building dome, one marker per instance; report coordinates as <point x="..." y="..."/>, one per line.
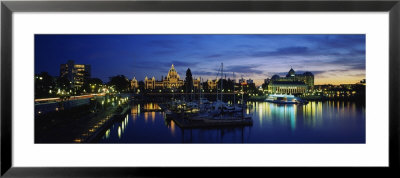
<point x="308" y="74"/>
<point x="291" y="73"/>
<point x="172" y="73"/>
<point x="275" y="77"/>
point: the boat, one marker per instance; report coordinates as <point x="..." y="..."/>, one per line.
<point x="205" y="113"/>
<point x="284" y="99"/>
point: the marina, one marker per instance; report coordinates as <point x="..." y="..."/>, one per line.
<point x="188" y="115"/>
<point x="316" y="122"/>
<point x="203" y="113"/>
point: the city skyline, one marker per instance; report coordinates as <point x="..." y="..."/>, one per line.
<point x="252" y="56"/>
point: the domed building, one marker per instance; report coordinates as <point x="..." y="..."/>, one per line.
<point x="275" y="77"/>
<point x="292" y="84"/>
<point x="291" y="73"/>
<point x="171" y="81"/>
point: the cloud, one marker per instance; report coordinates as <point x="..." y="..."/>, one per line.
<point x="340" y="41"/>
<point x="203" y="73"/>
<point x="214" y="56"/>
<point x="297" y="50"/>
<point x="349" y="62"/>
<point x="244" y="69"/>
<point x="182" y="64"/>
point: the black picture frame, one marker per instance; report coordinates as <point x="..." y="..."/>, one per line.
<point x="8" y="7"/>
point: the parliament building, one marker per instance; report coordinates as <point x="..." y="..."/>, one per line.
<point x="171" y="81"/>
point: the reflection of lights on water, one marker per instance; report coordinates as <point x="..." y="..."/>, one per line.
<point x="292" y="113"/>
<point x="78" y="140"/>
<point x="260" y="113"/>
<point x="119" y="132"/>
<point x="319" y="110"/>
<point x="172" y="127"/>
<point x="268" y="110"/>
<point x="107" y="133"/>
<point x="123" y="126"/>
<point x="290" y="118"/>
<point x="126" y="120"/>
<point x="153" y="116"/>
<point x="134" y="110"/>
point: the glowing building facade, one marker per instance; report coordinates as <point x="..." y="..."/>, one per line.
<point x="75" y="73"/>
<point x="292" y="83"/>
<point x="134" y="83"/>
<point x="212" y="84"/>
<point x="171" y="81"/>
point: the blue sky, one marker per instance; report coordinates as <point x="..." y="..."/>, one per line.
<point x="333" y="59"/>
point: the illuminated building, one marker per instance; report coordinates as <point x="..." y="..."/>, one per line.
<point x="242" y="81"/>
<point x="196" y="83"/>
<point x="362" y="82"/>
<point x="292" y="83"/>
<point x="212" y="84"/>
<point x="171" y="81"/>
<point x="75" y="73"/>
<point x="287" y="87"/>
<point x="134" y="83"/>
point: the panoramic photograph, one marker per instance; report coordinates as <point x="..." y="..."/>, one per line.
<point x="200" y="88"/>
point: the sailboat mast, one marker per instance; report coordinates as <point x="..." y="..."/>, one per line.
<point x="222" y="74"/>
<point x="200" y="87"/>
<point x="216" y="85"/>
<point x="234" y="83"/>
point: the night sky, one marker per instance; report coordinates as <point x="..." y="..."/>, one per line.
<point x="333" y="59"/>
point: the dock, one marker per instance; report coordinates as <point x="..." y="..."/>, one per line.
<point x="96" y="135"/>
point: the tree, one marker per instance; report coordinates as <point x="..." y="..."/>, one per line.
<point x="141" y="85"/>
<point x="226" y="84"/>
<point x="188" y="81"/>
<point x="92" y="85"/>
<point x="44" y="85"/>
<point x="63" y="83"/>
<point x="120" y="82"/>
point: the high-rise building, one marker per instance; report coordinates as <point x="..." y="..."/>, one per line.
<point x="75" y="73"/>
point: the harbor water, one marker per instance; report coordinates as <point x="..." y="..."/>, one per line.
<point x="315" y="122"/>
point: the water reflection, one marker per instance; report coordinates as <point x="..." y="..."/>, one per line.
<point x="316" y="122"/>
<point x="119" y="132"/>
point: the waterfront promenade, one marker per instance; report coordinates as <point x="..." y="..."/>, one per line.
<point x="73" y="125"/>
